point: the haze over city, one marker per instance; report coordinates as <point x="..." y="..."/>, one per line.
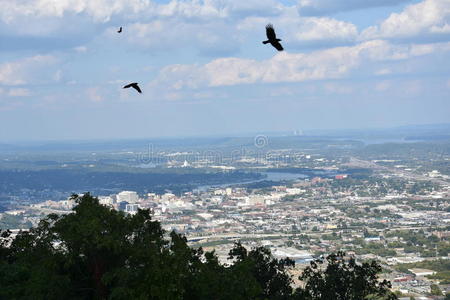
<point x="204" y="71"/>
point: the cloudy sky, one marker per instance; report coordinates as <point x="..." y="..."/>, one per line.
<point x="204" y="70"/>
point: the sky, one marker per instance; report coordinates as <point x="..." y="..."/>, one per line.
<point x="204" y="71"/>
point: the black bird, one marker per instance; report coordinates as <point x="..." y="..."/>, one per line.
<point x="272" y="38"/>
<point x="120" y="30"/>
<point x="134" y="85"/>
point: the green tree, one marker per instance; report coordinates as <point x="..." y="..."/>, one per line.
<point x="269" y="273"/>
<point x="343" y="279"/>
<point x="99" y="253"/>
<point x="435" y="290"/>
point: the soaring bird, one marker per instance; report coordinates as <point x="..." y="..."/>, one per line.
<point x="134" y="85"/>
<point x="272" y="38"/>
<point x="120" y="30"/>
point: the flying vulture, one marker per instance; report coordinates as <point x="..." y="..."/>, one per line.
<point x="134" y="85"/>
<point x="272" y="38"/>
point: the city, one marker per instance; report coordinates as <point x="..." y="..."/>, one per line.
<point x="308" y="204"/>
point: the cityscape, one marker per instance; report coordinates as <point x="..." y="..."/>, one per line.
<point x="304" y="204"/>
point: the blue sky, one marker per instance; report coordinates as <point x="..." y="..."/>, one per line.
<point x="204" y="70"/>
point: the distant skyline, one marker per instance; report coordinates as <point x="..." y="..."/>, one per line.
<point x="203" y="68"/>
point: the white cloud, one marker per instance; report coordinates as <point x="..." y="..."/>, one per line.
<point x="326" y="29"/>
<point x="302" y="31"/>
<point x="288" y="67"/>
<point x="165" y="35"/>
<point x="94" y="94"/>
<point x="383" y="86"/>
<point x="100" y="10"/>
<point x="213" y="28"/>
<point x="321" y="7"/>
<point x="429" y="17"/>
<point x="385" y="71"/>
<point x="104" y="10"/>
<point x="199" y="23"/>
<point x="413" y="87"/>
<point x="81" y="49"/>
<point x="26" y="70"/>
<point x="19" y="92"/>
<point x="337" y="88"/>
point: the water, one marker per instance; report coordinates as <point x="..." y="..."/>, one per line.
<point x="269" y="176"/>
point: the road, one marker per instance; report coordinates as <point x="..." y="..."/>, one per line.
<point x="238" y="236"/>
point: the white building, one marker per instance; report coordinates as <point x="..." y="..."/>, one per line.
<point x="131" y="208"/>
<point x="255" y="200"/>
<point x="434" y="174"/>
<point x="128" y="196"/>
<point x="167" y="197"/>
<point x="106" y="200"/>
<point x="422" y="272"/>
<point x="294" y="191"/>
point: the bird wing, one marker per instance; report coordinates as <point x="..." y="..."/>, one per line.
<point x="277" y="46"/>
<point x="270" y="32"/>
<point x="137" y="88"/>
<point x="129" y="85"/>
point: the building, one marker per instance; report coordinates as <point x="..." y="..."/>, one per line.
<point x="131" y="208"/>
<point x="127" y="196"/>
<point x="68" y="204"/>
<point x="167" y="197"/>
<point x="422" y="272"/>
<point x="106" y="200"/>
<point x="294" y="191"/>
<point x="255" y="200"/>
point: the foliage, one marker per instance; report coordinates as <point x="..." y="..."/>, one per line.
<point x="343" y="279"/>
<point x="435" y="290"/>
<point x="99" y="253"/>
<point x="145" y="180"/>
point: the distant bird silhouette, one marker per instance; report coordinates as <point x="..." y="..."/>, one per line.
<point x="272" y="38"/>
<point x="120" y="30"/>
<point x="134" y="85"/>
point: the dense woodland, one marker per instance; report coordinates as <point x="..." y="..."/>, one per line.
<point x="99" y="253"/>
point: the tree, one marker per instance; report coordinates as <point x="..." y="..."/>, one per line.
<point x="269" y="273"/>
<point x="343" y="279"/>
<point x="98" y="253"/>
<point x="435" y="290"/>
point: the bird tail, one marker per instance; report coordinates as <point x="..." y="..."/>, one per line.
<point x="266" y="42"/>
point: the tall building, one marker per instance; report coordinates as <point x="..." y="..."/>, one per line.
<point x="127" y="196"/>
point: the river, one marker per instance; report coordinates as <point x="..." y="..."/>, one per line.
<point x="269" y="176"/>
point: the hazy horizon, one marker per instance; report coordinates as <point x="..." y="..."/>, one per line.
<point x="432" y="130"/>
